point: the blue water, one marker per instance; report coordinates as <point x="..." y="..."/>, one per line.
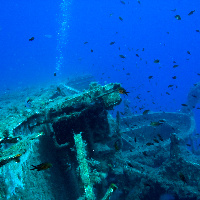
<point x="60" y="28"/>
<point x="144" y="25"/>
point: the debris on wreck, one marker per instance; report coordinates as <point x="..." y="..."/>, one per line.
<point x="71" y="126"/>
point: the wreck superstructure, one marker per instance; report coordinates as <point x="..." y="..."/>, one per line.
<point x="94" y="155"/>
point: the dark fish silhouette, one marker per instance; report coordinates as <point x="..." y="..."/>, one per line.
<point x="31" y="39"/>
<point x="191" y="12"/>
<point x="178" y="17"/>
<point x="156" y="61"/>
<point x="42" y="166"/>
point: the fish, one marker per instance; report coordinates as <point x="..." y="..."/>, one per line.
<point x="42" y="166"/>
<point x="150" y="77"/>
<point x="173" y="77"/>
<point x="191" y="12"/>
<point x="156" y="140"/>
<point x="178" y="17"/>
<point x="31" y="39"/>
<point x="145" y="112"/>
<point x="112" y="43"/>
<point x="156" y="61"/>
<point x="144" y="153"/>
<point x="182" y="177"/>
<point x="188" y="52"/>
<point x="122" y="2"/>
<point x="160" y="137"/>
<point x="197" y="31"/>
<point x="92" y="50"/>
<point x="122" y="56"/>
<point x="130" y="165"/>
<point x="162" y="120"/>
<point x="118" y="145"/>
<point x="149" y="143"/>
<point x="167" y="93"/>
<point x="173" y="10"/>
<point x="170" y="86"/>
<point x="121" y="18"/>
<point x="54" y="73"/>
<point x="128" y="74"/>
<point x="137" y="55"/>
<point x="156" y="123"/>
<point x="175" y="66"/>
<point x="123" y="91"/>
<point x="183" y="104"/>
<point x="85" y="42"/>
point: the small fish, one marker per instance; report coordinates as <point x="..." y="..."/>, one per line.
<point x="145" y="112"/>
<point x="156" y="61"/>
<point x="184" y="104"/>
<point x="144" y="153"/>
<point x="123" y="91"/>
<point x="162" y="120"/>
<point x="122" y="2"/>
<point x="128" y="74"/>
<point x="160" y="137"/>
<point x="112" y="43"/>
<point x="189" y="145"/>
<point x="191" y="12"/>
<point x="92" y="50"/>
<point x="167" y="93"/>
<point x="135" y="139"/>
<point x="130" y="165"/>
<point x="170" y="86"/>
<point x="122" y="56"/>
<point x="178" y="17"/>
<point x="150" y="77"/>
<point x="175" y="66"/>
<point x="156" y="123"/>
<point x="197" y="31"/>
<point x="149" y="143"/>
<point x="85" y="42"/>
<point x="117" y="145"/>
<point x="173" y="10"/>
<point x="54" y="73"/>
<point x="121" y="18"/>
<point x="188" y="52"/>
<point x="137" y="55"/>
<point x="42" y="166"/>
<point x="31" y="39"/>
<point x="173" y="77"/>
<point x="155" y="140"/>
<point x="182" y="177"/>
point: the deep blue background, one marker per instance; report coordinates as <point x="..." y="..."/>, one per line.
<point x="144" y="25"/>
